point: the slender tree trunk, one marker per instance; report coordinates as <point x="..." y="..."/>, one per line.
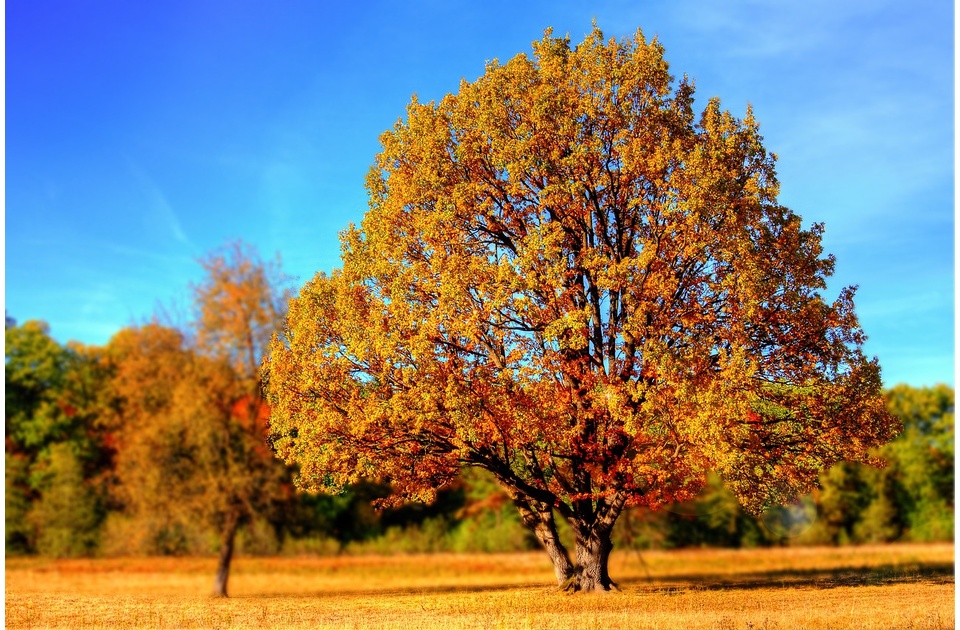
<point x="226" y="555"/>
<point x="539" y="520"/>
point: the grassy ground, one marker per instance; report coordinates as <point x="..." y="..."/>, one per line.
<point x="902" y="586"/>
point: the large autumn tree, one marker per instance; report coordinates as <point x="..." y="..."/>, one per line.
<point x="569" y="279"/>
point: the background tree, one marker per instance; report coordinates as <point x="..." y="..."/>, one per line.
<point x="238" y="308"/>
<point x="158" y="495"/>
<point x="912" y="497"/>
<point x="57" y="454"/>
<point x="33" y="382"/>
<point x="193" y="414"/>
<point x="68" y="513"/>
<point x="923" y="459"/>
<point x="488" y="521"/>
<point x="569" y="280"/>
<point x="36" y="412"/>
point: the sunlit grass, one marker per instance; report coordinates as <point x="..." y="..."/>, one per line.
<point x="903" y="586"/>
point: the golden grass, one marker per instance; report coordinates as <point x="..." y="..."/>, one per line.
<point x="875" y="587"/>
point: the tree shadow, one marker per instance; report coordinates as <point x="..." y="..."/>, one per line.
<point x="933" y="573"/>
<point x="433" y="589"/>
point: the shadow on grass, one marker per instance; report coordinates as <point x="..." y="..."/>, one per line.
<point x="882" y="575"/>
<point x="432" y="589"/>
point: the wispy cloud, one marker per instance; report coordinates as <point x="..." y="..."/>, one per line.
<point x="765" y="30"/>
<point x="160" y="211"/>
<point x="152" y="256"/>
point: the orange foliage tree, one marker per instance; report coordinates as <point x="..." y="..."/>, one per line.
<point x="155" y="489"/>
<point x="238" y="308"/>
<point x="191" y="412"/>
<point x="568" y="279"/>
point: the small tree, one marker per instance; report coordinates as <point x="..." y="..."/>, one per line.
<point x="567" y="279"/>
<point x="238" y="308"/>
<point x="193" y="415"/>
<point x="67" y="516"/>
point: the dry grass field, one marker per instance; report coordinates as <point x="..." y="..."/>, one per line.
<point x="877" y="587"/>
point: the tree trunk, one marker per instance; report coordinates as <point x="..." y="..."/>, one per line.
<point x="590" y="574"/>
<point x="593" y="555"/>
<point x="539" y="519"/>
<point x="226" y="555"/>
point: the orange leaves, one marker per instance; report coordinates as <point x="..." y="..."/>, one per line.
<point x="238" y="306"/>
<point x="189" y="410"/>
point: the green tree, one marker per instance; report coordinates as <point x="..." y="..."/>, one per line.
<point x="35" y="371"/>
<point x="570" y="280"/>
<point x="488" y="521"/>
<point x="714" y="518"/>
<point x="57" y="453"/>
<point x="922" y="460"/>
<point x="841" y="500"/>
<point x="17" y="501"/>
<point x="67" y="514"/>
<point x="912" y="495"/>
<point x="881" y="520"/>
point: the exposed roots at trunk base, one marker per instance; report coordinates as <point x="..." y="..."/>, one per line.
<point x="580" y="583"/>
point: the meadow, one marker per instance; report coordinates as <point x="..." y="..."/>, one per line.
<point x="870" y="587"/>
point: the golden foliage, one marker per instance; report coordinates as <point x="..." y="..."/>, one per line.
<point x="569" y="279"/>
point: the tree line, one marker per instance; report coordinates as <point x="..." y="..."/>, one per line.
<point x="156" y="444"/>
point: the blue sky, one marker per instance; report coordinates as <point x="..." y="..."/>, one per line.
<point x="142" y="135"/>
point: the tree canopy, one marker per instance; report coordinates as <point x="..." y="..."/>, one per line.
<point x="570" y="279"/>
